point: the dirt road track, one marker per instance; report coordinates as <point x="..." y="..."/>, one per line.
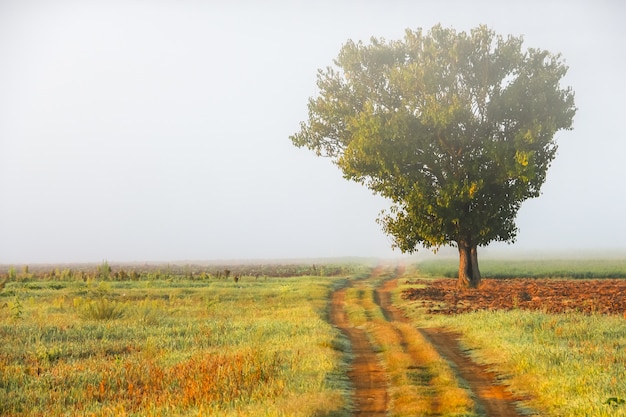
<point x="492" y="398"/>
<point x="367" y="375"/>
<point x="369" y="378"/>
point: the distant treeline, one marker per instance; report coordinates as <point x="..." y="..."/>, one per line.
<point x="106" y="272"/>
<point x="559" y="268"/>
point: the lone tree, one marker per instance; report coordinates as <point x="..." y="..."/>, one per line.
<point x="456" y="129"/>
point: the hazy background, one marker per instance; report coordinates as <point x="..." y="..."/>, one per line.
<point x="158" y="130"/>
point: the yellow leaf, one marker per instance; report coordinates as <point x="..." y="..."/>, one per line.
<point x="522" y="158"/>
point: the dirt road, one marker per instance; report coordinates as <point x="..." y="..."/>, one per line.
<point x="492" y="398"/>
<point x="371" y="397"/>
<point x="366" y="374"/>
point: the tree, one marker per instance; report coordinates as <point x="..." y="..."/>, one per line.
<point x="456" y="129"/>
<point x="103" y="271"/>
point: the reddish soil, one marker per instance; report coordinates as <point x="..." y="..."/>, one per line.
<point x="366" y="373"/>
<point x="549" y="295"/>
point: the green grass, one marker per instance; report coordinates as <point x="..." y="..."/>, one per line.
<point x="528" y="268"/>
<point x="255" y="347"/>
<point x="568" y="364"/>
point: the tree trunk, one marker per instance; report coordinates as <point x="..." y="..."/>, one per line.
<point x="469" y="274"/>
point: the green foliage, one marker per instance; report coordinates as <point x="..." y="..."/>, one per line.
<point x="455" y="128"/>
<point x="17" y="309"/>
<point x="104" y="271"/>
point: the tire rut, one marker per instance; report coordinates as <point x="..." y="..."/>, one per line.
<point x="366" y="374"/>
<point x="382" y="297"/>
<point x="492" y="399"/>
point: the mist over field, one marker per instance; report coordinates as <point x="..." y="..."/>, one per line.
<point x="135" y="131"/>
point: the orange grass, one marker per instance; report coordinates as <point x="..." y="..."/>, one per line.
<point x="201" y="379"/>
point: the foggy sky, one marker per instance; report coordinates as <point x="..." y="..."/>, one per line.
<point x="159" y="130"/>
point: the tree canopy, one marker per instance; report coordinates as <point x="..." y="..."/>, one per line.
<point x="455" y="128"/>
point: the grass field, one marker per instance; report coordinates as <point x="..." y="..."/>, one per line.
<point x="179" y="343"/>
<point x="569" y="364"/>
<point x="256" y="347"/>
<point x="531" y="268"/>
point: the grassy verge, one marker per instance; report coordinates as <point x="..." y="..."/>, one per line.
<point x="421" y="383"/>
<point x="565" y="364"/>
<point x="553" y="268"/>
<point x="258" y="347"/>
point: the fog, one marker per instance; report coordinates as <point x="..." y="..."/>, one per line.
<point x="159" y="130"/>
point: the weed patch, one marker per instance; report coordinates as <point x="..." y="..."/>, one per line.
<point x="102" y="309"/>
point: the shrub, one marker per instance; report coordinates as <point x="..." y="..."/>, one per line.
<point x="102" y="309"/>
<point x="104" y="271"/>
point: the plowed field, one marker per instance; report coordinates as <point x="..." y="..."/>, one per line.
<point x="549" y="295"/>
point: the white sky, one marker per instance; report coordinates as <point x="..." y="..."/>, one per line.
<point x="159" y="130"/>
